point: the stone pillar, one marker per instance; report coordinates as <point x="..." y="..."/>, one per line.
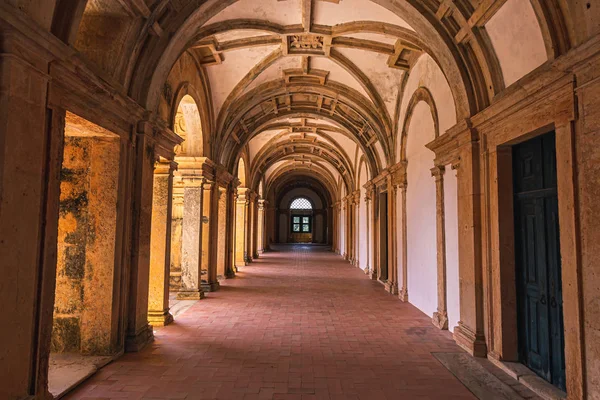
<point x="440" y="317"/>
<point x="191" y="269"/>
<point x="241" y="206"/>
<point x="29" y="212"/>
<point x="368" y="227"/>
<point x="249" y="225"/>
<point x="374" y="232"/>
<point x="469" y="334"/>
<point x="403" y="293"/>
<point x="261" y="227"/>
<point x="223" y="224"/>
<point x="357" y="228"/>
<point x="176" y="239"/>
<point x="253" y="226"/>
<point x="230" y="268"/>
<point x="392" y="282"/>
<point x="160" y="244"/>
<point x="139" y="332"/>
<point x="209" y="236"/>
<point x="346" y="207"/>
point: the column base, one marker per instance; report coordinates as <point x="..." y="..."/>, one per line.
<point x="367" y="270"/>
<point x="210" y="287"/>
<point x="139" y="340"/>
<point x="230" y="274"/>
<point x="373" y="275"/>
<point x="197" y="294"/>
<point x="403" y="295"/>
<point x="160" y="318"/>
<point x="471" y="342"/>
<point x="175" y="280"/>
<point x="391" y="287"/>
<point x="440" y="320"/>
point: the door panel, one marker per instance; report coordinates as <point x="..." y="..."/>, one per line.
<point x="539" y="289"/>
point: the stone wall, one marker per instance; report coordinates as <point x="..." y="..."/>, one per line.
<point x="86" y="246"/>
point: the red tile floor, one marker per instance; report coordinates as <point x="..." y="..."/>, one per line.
<point x="299" y="323"/>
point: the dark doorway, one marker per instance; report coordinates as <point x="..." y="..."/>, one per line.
<point x="538" y="269"/>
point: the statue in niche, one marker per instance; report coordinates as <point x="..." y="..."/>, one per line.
<point x="180" y="130"/>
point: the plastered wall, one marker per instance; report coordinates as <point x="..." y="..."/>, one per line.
<point x="421" y="214"/>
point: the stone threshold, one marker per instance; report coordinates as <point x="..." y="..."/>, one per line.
<point x="67" y="371"/>
<point x="529" y="379"/>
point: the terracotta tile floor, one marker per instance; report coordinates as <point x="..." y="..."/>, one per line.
<point x="299" y="323"/>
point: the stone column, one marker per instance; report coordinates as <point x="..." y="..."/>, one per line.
<point x="261" y="227"/>
<point x="241" y="206"/>
<point x="209" y="236"/>
<point x="345" y="213"/>
<point x="357" y="229"/>
<point x="403" y="293"/>
<point x="440" y="317"/>
<point x="223" y="224"/>
<point x="191" y="270"/>
<point x="139" y="332"/>
<point x="254" y="228"/>
<point x="249" y="226"/>
<point x="469" y="333"/>
<point x="176" y="237"/>
<point x="368" y="227"/>
<point x="29" y="212"/>
<point x="160" y="244"/>
<point x="392" y="283"/>
<point x="374" y="232"/>
<point x="230" y="268"/>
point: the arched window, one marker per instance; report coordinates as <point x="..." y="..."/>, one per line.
<point x="301" y="203"/>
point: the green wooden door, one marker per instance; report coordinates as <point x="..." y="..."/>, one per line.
<point x="538" y="270"/>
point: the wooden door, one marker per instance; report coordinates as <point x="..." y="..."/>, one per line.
<point x="538" y="270"/>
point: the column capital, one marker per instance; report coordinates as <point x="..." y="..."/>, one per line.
<point x="196" y="167"/>
<point x="241" y="195"/>
<point x="438" y="172"/>
<point x="165" y="167"/>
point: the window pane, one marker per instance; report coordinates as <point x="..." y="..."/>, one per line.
<point x="305" y="228"/>
<point x="305" y="220"/>
<point x="296" y="220"/>
<point x="296" y="227"/>
<point x="301" y="203"/>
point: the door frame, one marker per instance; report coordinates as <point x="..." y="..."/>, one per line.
<point x="520" y="125"/>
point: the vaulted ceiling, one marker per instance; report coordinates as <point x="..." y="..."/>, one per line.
<point x="312" y="82"/>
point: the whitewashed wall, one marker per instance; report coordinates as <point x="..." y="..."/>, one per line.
<point x="421" y="213"/>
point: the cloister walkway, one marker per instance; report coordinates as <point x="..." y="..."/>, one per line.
<point x="300" y="323"/>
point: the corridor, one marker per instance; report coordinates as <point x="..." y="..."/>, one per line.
<point x="291" y="325"/>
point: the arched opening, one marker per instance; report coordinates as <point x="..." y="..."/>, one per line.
<point x="188" y="125"/>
